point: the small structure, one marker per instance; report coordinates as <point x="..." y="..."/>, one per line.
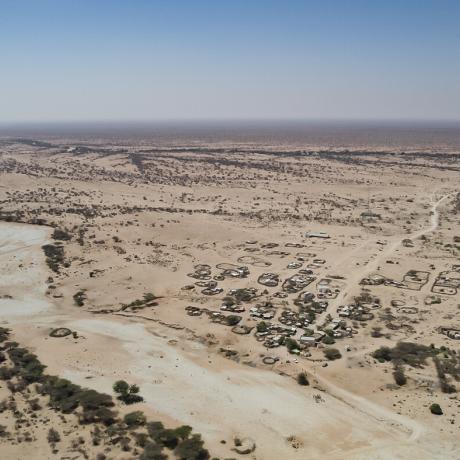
<point x="370" y="216"/>
<point x="317" y="235"/>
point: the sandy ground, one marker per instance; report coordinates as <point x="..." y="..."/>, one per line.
<point x="267" y="407"/>
<point x="139" y="222"/>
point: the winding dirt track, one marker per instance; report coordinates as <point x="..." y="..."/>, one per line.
<point x="361" y="272"/>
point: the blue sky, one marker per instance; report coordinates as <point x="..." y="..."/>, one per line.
<point x="195" y="59"/>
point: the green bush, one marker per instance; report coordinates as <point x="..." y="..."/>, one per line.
<point x="60" y="234"/>
<point x="399" y="377"/>
<point x="262" y="326"/>
<point x="192" y="449"/>
<point x="79" y="298"/>
<point x="410" y="353"/>
<point x="101" y="415"/>
<point x="302" y="379"/>
<point x="232" y="320"/>
<point x="54" y="256"/>
<point x="26" y="365"/>
<point x="6" y="373"/>
<point x="142" y="439"/>
<point x="328" y="340"/>
<point x="126" y="393"/>
<point x="436" y="409"/>
<point x="291" y="344"/>
<point x="155" y="429"/>
<point x="4" y="334"/>
<point x="91" y="399"/>
<point x="332" y="354"/>
<point x="183" y="431"/>
<point x="382" y="354"/>
<point x="168" y="438"/>
<point x="121" y="387"/>
<point x="152" y="451"/>
<point x="134" y="419"/>
<point x="66" y="397"/>
<point x="53" y="436"/>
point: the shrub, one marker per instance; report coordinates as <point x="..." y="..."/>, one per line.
<point x="232" y="320"/>
<point x="53" y="436"/>
<point x="435" y="409"/>
<point x="154" y="429"/>
<point x="6" y="373"/>
<point x="243" y="295"/>
<point x="168" y="438"/>
<point x="291" y="344"/>
<point x="60" y="234"/>
<point x="149" y="297"/>
<point x="302" y="379"/>
<point x="79" y="298"/>
<point x="4" y="334"/>
<point x="141" y="439"/>
<point x="62" y="394"/>
<point x="332" y="354"/>
<point x="26" y="365"/>
<point x="35" y="404"/>
<point x="121" y="387"/>
<point x="410" y="353"/>
<point x="192" y="449"/>
<point x="399" y="376"/>
<point x="447" y="387"/>
<point x="229" y="301"/>
<point x="183" y="431"/>
<point x="328" y="340"/>
<point x="376" y="332"/>
<point x="100" y="415"/>
<point x="382" y="354"/>
<point x="54" y="256"/>
<point x="3" y="431"/>
<point x="126" y="393"/>
<point x="91" y="399"/>
<point x="152" y="451"/>
<point x="134" y="419"/>
<point x="262" y="327"/>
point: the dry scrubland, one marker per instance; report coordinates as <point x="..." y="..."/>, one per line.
<point x="186" y="270"/>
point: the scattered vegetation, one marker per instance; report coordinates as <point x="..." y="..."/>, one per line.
<point x="262" y="327"/>
<point x="127" y="393"/>
<point x="54" y="256"/>
<point x="61" y="235"/>
<point x="399" y="376"/>
<point x="328" y="340"/>
<point x="135" y="419"/>
<point x="53" y="436"/>
<point x="435" y="409"/>
<point x="332" y="354"/>
<point x="20" y="369"/>
<point x="413" y="354"/>
<point x="302" y="379"/>
<point x="79" y="298"/>
<point x="291" y="344"/>
<point x="232" y="320"/>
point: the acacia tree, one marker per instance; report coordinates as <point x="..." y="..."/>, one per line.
<point x="127" y="393"/>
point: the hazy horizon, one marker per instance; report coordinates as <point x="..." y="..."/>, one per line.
<point x="436" y="136"/>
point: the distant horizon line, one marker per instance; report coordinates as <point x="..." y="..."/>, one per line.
<point x="145" y="121"/>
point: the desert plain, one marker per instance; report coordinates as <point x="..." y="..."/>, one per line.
<point x="284" y="301"/>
